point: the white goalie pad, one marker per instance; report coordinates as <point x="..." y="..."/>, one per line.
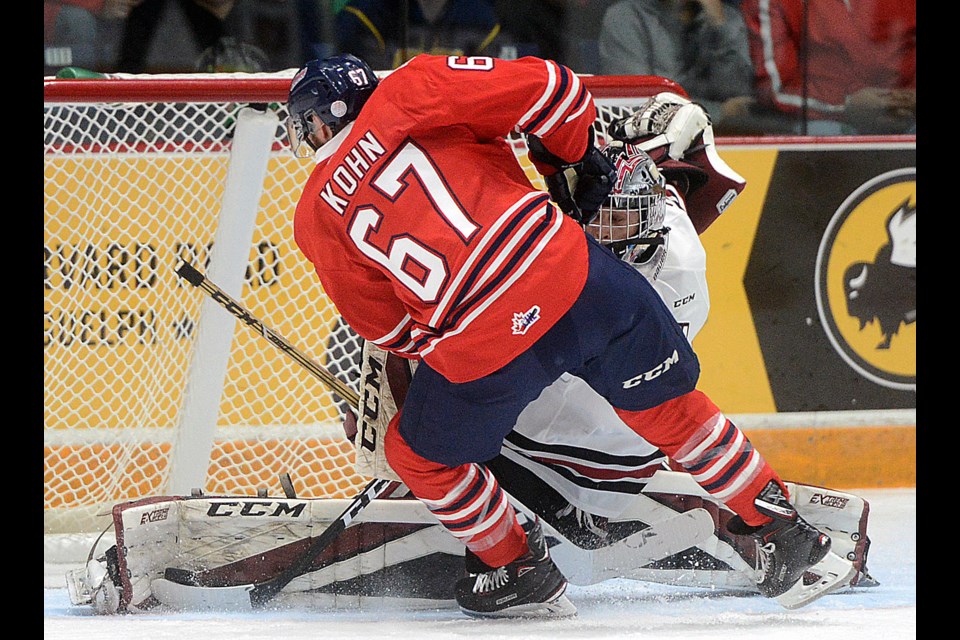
<point x="842" y="516"/>
<point x="383" y="387"/>
<point x="395" y="554"/>
<point x="394" y="547"/>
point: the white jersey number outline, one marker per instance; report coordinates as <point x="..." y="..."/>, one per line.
<point x="403" y="252"/>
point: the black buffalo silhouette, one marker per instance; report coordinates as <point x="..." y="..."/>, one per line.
<point x="885" y="290"/>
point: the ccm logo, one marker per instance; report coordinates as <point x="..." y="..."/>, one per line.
<point x="253" y="508"/>
<point x="656" y="372"/>
<point x="829" y="501"/>
<point x="155" y="516"/>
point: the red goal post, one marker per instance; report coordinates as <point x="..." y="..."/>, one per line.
<point x="150" y="390"/>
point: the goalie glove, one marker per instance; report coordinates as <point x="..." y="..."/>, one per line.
<point x="578" y="188"/>
<point x="678" y="135"/>
<point x="667" y="121"/>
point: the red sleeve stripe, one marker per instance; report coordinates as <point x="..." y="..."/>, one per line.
<point x="575" y="97"/>
<point x="580" y="105"/>
<point x="565" y="93"/>
<point x="535" y="109"/>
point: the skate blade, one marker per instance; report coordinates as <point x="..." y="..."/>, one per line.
<point x="560" y="607"/>
<point x="833" y="572"/>
<point x="864" y="579"/>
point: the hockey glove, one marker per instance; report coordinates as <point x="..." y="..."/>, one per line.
<point x="579" y="188"/>
<point x="677" y="134"/>
<point x="666" y="120"/>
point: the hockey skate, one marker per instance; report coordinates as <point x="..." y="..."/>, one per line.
<point x="529" y="587"/>
<point x="786" y="548"/>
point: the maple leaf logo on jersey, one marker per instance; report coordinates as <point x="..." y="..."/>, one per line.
<point x="523" y="321"/>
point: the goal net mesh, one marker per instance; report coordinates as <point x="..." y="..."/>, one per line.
<point x="133" y="183"/>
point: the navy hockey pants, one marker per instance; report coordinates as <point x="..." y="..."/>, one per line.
<point x="619" y="337"/>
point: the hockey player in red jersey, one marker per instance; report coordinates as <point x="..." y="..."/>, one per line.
<point x="433" y="245"/>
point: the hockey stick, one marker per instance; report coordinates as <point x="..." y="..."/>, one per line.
<point x="176" y="590"/>
<point x="189" y="273"/>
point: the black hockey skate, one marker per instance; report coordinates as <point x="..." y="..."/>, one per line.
<point x="530" y="586"/>
<point x="786" y="547"/>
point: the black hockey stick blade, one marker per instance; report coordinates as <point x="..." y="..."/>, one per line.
<point x="179" y="589"/>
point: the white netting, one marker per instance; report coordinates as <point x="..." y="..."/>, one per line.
<point x="129" y="188"/>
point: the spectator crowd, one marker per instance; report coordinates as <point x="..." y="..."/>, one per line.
<point x="830" y="67"/>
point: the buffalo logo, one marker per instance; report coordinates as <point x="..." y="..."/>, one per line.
<point x="866" y="280"/>
<point x="890" y="278"/>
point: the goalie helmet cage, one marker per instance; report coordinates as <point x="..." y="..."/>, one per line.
<point x="148" y="389"/>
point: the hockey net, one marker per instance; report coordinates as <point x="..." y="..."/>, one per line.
<point x="148" y="389"/>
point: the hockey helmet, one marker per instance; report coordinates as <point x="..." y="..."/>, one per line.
<point x="334" y="89"/>
<point x="630" y="221"/>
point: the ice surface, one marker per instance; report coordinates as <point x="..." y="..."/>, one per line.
<point x="613" y="610"/>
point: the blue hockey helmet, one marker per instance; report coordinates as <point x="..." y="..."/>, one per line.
<point x="334" y="89"/>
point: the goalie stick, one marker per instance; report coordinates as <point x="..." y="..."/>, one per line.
<point x="178" y="588"/>
<point x="189" y="273"/>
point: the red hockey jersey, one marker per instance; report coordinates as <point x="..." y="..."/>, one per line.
<point x="423" y="228"/>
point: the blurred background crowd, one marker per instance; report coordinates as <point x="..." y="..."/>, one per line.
<point x="761" y="67"/>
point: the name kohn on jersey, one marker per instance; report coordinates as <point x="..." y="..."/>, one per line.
<point x="350" y="172"/>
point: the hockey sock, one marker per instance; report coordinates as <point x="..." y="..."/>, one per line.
<point x="707" y="445"/>
<point x="466" y="499"/>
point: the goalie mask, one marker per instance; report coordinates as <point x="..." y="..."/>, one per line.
<point x="630" y="221"/>
<point x="334" y="89"/>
